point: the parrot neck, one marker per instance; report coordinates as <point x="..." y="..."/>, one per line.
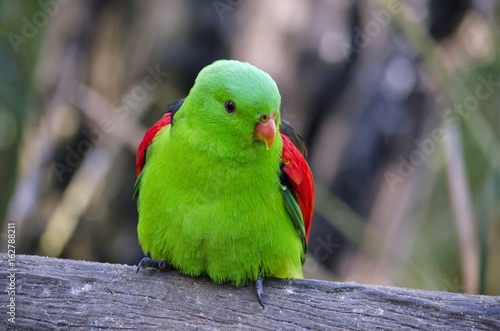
<point x="227" y="149"/>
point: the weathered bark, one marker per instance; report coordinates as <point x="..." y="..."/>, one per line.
<point x="65" y="294"/>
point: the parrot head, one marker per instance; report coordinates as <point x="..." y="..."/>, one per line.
<point x="232" y="109"/>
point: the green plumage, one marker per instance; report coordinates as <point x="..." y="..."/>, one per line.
<point x="210" y="200"/>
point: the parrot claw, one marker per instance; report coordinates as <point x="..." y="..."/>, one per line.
<point x="147" y="262"/>
<point x="258" y="287"/>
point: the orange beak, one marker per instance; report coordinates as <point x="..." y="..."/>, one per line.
<point x="265" y="130"/>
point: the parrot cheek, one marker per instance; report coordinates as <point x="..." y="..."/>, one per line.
<point x="266" y="131"/>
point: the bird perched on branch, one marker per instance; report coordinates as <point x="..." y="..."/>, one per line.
<point x="222" y="188"/>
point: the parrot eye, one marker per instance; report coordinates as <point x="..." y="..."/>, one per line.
<point x="230" y="106"/>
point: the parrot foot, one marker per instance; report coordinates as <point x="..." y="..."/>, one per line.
<point x="258" y="287"/>
<point x="162" y="265"/>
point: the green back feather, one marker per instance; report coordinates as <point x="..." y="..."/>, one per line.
<point x="137" y="185"/>
<point x="293" y="208"/>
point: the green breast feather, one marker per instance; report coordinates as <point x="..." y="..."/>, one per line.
<point x="210" y="197"/>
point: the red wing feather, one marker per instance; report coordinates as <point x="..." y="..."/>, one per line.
<point x="301" y="179"/>
<point x="148" y="139"/>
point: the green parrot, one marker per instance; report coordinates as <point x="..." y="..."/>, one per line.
<point x="222" y="189"/>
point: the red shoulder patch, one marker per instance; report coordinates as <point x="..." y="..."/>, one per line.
<point x="301" y="179"/>
<point x="148" y="139"/>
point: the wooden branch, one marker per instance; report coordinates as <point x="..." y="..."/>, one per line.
<point x="65" y="294"/>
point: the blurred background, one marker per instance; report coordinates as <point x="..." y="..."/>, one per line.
<point x="398" y="102"/>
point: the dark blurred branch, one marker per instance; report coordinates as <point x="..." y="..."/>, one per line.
<point x="445" y="16"/>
